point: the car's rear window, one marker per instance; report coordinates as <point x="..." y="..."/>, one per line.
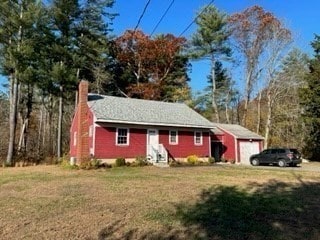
<point x="293" y="150"/>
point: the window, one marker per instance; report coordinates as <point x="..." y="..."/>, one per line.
<point x="122" y="136"/>
<point x="75" y="139"/>
<point x="173" y="137"/>
<point x="90" y="131"/>
<point x="267" y="151"/>
<point x="198" y="138"/>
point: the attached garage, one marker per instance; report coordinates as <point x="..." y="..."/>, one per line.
<point x="237" y="143"/>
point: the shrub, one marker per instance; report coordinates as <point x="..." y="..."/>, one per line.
<point x="211" y="160"/>
<point x="140" y="161"/>
<point x="120" y="162"/>
<point x="90" y="164"/>
<point x="192" y="159"/>
<point x="65" y="164"/>
<point x="223" y="160"/>
<point x="95" y="163"/>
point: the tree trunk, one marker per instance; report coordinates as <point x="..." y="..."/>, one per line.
<point x="14" y="84"/>
<point x="22" y="139"/>
<point x="226" y="107"/>
<point x="247" y="95"/>
<point x="40" y="131"/>
<point x="215" y="116"/>
<point x="77" y="94"/>
<point x="25" y="117"/>
<point x="59" y="136"/>
<point x="50" y="135"/>
<point x="268" y="121"/>
<point x="12" y="118"/>
<point x="259" y="113"/>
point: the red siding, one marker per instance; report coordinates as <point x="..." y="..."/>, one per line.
<point x="105" y="143"/>
<point x="74" y="128"/>
<point x="185" y="146"/>
<point x="106" y="148"/>
<point x="229" y="145"/>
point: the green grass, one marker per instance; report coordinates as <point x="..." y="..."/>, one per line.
<point x="209" y="202"/>
<point x="25" y="177"/>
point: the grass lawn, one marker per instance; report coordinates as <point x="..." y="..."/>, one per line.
<point x="212" y="202"/>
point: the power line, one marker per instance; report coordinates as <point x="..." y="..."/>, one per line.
<point x="142" y="14"/>
<point x="186" y="29"/>
<point x="162" y="17"/>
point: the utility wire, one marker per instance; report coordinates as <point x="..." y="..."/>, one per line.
<point x="162" y="17"/>
<point x="186" y="29"/>
<point x="141" y="16"/>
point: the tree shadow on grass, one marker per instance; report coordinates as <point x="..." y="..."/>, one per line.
<point x="274" y="210"/>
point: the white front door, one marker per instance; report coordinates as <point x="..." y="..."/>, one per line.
<point x="153" y="137"/>
<point x="152" y="142"/>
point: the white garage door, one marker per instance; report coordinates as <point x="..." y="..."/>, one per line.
<point x="246" y="150"/>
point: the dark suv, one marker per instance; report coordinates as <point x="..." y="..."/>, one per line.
<point x="280" y="156"/>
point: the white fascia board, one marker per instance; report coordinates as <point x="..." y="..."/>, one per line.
<point x="154" y="124"/>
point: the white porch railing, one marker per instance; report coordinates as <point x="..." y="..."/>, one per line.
<point x="157" y="153"/>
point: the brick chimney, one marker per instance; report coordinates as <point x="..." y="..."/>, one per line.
<point x="83" y="152"/>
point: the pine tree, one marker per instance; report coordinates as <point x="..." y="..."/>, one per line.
<point x="81" y="46"/>
<point x="210" y="41"/>
<point x="224" y="94"/>
<point x="92" y="42"/>
<point x="310" y="101"/>
<point x="19" y="22"/>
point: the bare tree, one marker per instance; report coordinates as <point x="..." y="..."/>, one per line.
<point x="285" y="118"/>
<point x="277" y="45"/>
<point x="251" y="31"/>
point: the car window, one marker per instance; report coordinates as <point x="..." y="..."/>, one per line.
<point x="267" y="151"/>
<point x="281" y="151"/>
<point x="293" y="150"/>
<point x="274" y="151"/>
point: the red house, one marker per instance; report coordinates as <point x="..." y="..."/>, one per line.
<point x="108" y="127"/>
<point x="234" y="143"/>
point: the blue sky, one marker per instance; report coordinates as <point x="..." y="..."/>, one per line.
<point x="301" y="17"/>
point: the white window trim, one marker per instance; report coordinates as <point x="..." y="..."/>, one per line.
<point x="195" y="138"/>
<point x="128" y="137"/>
<point x="177" y="137"/>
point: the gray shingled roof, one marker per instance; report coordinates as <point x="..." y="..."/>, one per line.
<point x="238" y="131"/>
<point x="145" y="112"/>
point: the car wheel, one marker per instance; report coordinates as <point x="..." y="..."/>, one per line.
<point x="282" y="163"/>
<point x="255" y="162"/>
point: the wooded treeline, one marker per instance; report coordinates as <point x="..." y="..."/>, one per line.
<point x="257" y="78"/>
